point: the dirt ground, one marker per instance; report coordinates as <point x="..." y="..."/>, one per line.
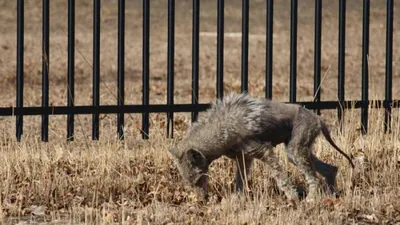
<point x="58" y="50"/>
<point x="183" y="72"/>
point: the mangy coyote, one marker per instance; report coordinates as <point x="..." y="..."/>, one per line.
<point x="245" y="128"/>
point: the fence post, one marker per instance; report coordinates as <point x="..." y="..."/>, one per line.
<point x="20" y="67"/>
<point x="389" y="63"/>
<point x="170" y="69"/>
<point x="317" y="53"/>
<point x="341" y="60"/>
<point x="121" y="66"/>
<point x="220" y="50"/>
<point x="45" y="67"/>
<point x="96" y="68"/>
<point x="269" y="50"/>
<point x="146" y="67"/>
<point x="195" y="55"/>
<point x="245" y="45"/>
<point x="365" y="55"/>
<point x="293" y="51"/>
<point x="71" y="68"/>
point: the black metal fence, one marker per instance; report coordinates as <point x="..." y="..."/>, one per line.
<point x="145" y="108"/>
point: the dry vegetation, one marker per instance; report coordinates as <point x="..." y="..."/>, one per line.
<point x="134" y="181"/>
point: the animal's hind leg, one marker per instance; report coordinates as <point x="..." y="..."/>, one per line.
<point x="300" y="156"/>
<point x="305" y="130"/>
<point x="243" y="165"/>
<point x="327" y="170"/>
<point x="282" y="180"/>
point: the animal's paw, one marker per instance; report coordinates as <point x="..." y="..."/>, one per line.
<point x="292" y="196"/>
<point x="301" y="192"/>
<point x="293" y="203"/>
<point x="311" y="199"/>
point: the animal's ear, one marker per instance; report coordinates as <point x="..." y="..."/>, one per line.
<point x="196" y="158"/>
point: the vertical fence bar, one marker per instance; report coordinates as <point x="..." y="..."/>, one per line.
<point x="45" y="67"/>
<point x="20" y="67"/>
<point x="146" y="67"/>
<point x="365" y="55"/>
<point x="269" y="50"/>
<point x="195" y="55"/>
<point x="71" y="68"/>
<point x="96" y="67"/>
<point x="317" y="53"/>
<point x="121" y="67"/>
<point x="389" y="64"/>
<point x="171" y="60"/>
<point x="220" y="50"/>
<point x="245" y="45"/>
<point x="293" y="51"/>
<point x="341" y="58"/>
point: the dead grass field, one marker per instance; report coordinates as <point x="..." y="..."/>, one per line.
<point x="133" y="181"/>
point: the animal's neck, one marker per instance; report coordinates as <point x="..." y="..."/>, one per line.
<point x="216" y="138"/>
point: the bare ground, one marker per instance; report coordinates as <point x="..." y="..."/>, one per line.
<point x="134" y="181"/>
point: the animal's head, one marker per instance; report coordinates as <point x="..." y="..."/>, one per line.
<point x="192" y="165"/>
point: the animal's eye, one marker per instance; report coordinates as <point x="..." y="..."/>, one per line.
<point x="193" y="154"/>
<point x="195" y="157"/>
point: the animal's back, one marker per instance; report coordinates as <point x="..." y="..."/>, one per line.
<point x="239" y="117"/>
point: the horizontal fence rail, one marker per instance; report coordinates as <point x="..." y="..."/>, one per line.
<point x="120" y="108"/>
<point x="157" y="108"/>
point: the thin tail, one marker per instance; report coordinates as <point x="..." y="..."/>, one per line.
<point x="326" y="133"/>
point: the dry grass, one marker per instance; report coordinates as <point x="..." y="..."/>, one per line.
<point x="133" y="181"/>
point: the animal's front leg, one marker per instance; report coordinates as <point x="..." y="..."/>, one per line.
<point x="243" y="165"/>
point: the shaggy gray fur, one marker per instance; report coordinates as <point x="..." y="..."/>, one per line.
<point x="245" y="128"/>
